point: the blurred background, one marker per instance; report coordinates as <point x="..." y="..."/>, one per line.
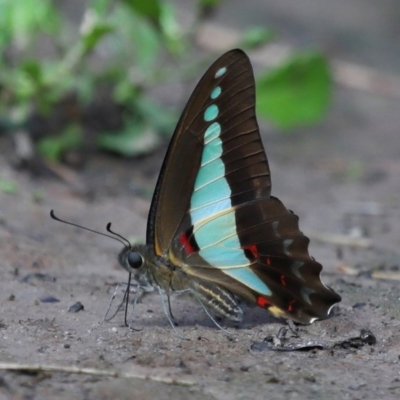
<point x="84" y="76"/>
<point x="90" y="92"/>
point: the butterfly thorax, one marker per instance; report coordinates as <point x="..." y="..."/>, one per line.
<point x="150" y="269"/>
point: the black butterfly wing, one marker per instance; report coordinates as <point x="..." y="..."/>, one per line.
<point x="172" y="196"/>
<point x="278" y="254"/>
<point x="212" y="214"/>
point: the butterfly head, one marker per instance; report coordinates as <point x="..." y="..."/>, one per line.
<point x="131" y="259"/>
<point x="138" y="261"/>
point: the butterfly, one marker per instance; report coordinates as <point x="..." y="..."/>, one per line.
<point x="214" y="230"/>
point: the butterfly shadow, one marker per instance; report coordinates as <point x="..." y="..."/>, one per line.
<point x="186" y="314"/>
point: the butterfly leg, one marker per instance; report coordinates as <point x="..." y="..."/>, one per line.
<point x="141" y="291"/>
<point x="169" y="300"/>
<point x="160" y="292"/>
<point x="169" y="307"/>
<point x="110" y="304"/>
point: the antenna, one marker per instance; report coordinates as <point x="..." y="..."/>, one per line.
<point x="52" y="215"/>
<point x="117" y="234"/>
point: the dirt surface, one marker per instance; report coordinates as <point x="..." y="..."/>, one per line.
<point x="341" y="178"/>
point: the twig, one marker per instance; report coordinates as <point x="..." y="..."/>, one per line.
<point x="93" y="372"/>
<point x="393" y="276"/>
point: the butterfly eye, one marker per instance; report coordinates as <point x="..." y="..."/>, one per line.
<point x="135" y="260"/>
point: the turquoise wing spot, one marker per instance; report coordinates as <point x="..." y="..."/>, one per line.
<point x="211" y="212"/>
<point x="250" y="279"/>
<point x="221" y="232"/>
<point x="211" y="156"/>
<point x="209" y="173"/>
<point x="203" y="212"/>
<point x="209" y="200"/>
<point x="233" y="263"/>
<point x="220" y="72"/>
<point x="211" y="169"/>
<point x="211" y="113"/>
<point x="212" y="132"/>
<point x="242" y="274"/>
<point x="216" y="92"/>
<point x="211" y="192"/>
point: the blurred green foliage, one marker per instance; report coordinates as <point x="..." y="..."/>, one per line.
<point x="8" y="186"/>
<point x="124" y="47"/>
<point x="295" y="93"/>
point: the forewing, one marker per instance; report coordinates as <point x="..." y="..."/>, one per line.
<point x="218" y="121"/>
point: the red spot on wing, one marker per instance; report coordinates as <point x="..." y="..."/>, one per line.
<point x="251" y="252"/>
<point x="283" y="280"/>
<point x="185" y="242"/>
<point x="262" y="302"/>
<point x="291" y="304"/>
<point x="268" y="261"/>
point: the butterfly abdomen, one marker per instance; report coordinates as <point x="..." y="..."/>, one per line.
<point x="216" y="299"/>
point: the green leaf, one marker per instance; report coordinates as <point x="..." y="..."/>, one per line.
<point x="170" y="28"/>
<point x="208" y="3"/>
<point x="8" y="186"/>
<point x="94" y="34"/>
<point x="100" y="6"/>
<point x="50" y="148"/>
<point x="146" y="8"/>
<point x="23" y="19"/>
<point x="32" y="77"/>
<point x="147" y="46"/>
<point x="125" y="91"/>
<point x="53" y="148"/>
<point x="296" y="93"/>
<point x="255" y="37"/>
<point x="133" y="141"/>
<point x="23" y="88"/>
<point x="33" y="70"/>
<point x="138" y="42"/>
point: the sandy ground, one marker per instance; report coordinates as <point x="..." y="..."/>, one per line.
<point x="341" y="177"/>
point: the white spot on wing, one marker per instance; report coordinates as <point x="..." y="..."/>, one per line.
<point x="305" y="293"/>
<point x="275" y="228"/>
<point x="286" y="244"/>
<point x="295" y="267"/>
<point x="220" y="72"/>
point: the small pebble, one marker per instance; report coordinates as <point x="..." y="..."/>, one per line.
<point x="49" y="299"/>
<point x="78" y="306"/>
<point x="38" y="277"/>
